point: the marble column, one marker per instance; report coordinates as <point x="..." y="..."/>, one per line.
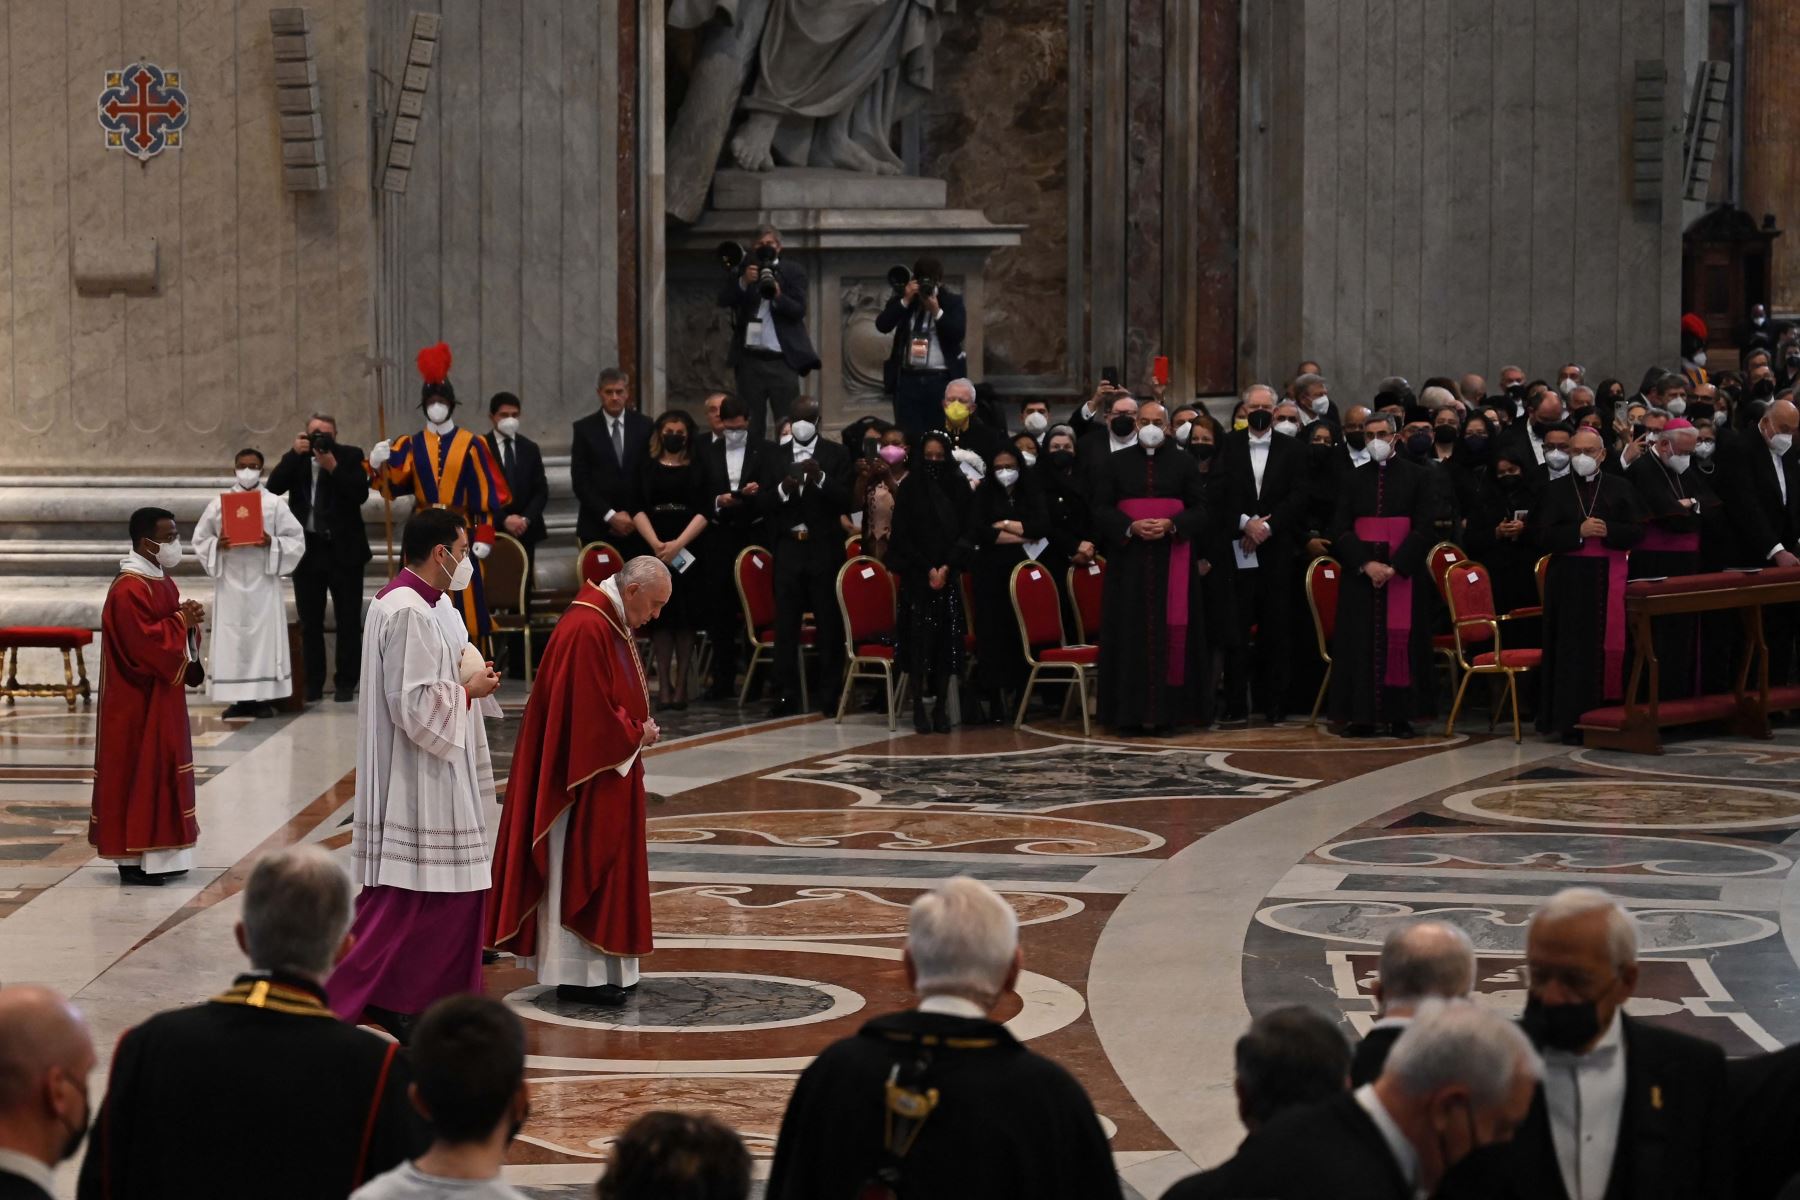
<point x="1771" y="123"/>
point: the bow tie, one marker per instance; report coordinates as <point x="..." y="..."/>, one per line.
<point x="1599" y="1058"/>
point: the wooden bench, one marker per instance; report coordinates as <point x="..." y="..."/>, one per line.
<point x="1637" y="724"/>
<point x="14" y="638"/>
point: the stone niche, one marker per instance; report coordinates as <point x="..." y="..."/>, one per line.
<point x="846" y="230"/>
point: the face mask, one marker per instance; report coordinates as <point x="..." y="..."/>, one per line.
<point x="1202" y="451"/>
<point x="1122" y="425"/>
<point x="1514" y="390"/>
<point x="1443" y="435"/>
<point x="168" y="554"/>
<point x="1036" y="422"/>
<point x="437" y="412"/>
<point x="72" y="1143"/>
<point x="804" y="432"/>
<point x="1379" y="450"/>
<point x="1029" y="457"/>
<point x="1151" y="436"/>
<point x="893" y="456"/>
<point x="1759" y="322"/>
<point x="1781" y="443"/>
<point x="933" y="467"/>
<point x="1006" y="476"/>
<point x="248" y="477"/>
<point x="1239" y="425"/>
<point x="1566" y="1027"/>
<point x="1260" y="420"/>
<point x="1762" y="389"/>
<point x="1704" y="450"/>
<point x="1062" y="460"/>
<point x="463" y="572"/>
<point x="1699" y="358"/>
<point x="956" y="412"/>
<point x="1319" y="453"/>
<point x="737" y="439"/>
<point x="674" y="443"/>
<point x="1677" y="406"/>
<point x="1418" y="443"/>
<point x="1556" y="460"/>
<point x="1476" y="444"/>
<point x="1539" y="429"/>
<point x="1566" y="386"/>
<point x="1183" y="432"/>
<point x="1585" y="465"/>
<point x="1508" y="483"/>
<point x="1356" y="439"/>
<point x="1321" y="405"/>
<point x="509" y="426"/>
<point x="1287" y="428"/>
<point x="1678" y="462"/>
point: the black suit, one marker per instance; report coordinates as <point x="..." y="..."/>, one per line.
<point x="270" y="1060"/>
<point x="1331" y="1150"/>
<point x="602" y="482"/>
<point x="526" y="481"/>
<point x="918" y="392"/>
<point x="769" y="381"/>
<point x="17" y="1187"/>
<point x="733" y="528"/>
<point x="1674" y="1133"/>
<point x="1262" y="596"/>
<point x="1370" y="1054"/>
<point x="806" y="568"/>
<point x="1765" y="1095"/>
<point x="337" y="546"/>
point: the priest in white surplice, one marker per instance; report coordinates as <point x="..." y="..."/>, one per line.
<point x="424" y="790"/>
<point x="250" y="664"/>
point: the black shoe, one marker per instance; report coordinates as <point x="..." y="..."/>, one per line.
<point x="1402" y="729"/>
<point x="263" y="711"/>
<point x="399" y="1024"/>
<point x="132" y="875"/>
<point x="344" y="695"/>
<point x="1357" y="730"/>
<point x="940" y="719"/>
<point x="607" y="995"/>
<point x="921" y="719"/>
<point x="489" y="957"/>
<point x="314" y="695"/>
<point x="1235" y="718"/>
<point x="243" y="710"/>
<point x="782" y="708"/>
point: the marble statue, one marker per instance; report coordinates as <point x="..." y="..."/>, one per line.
<point x="819" y="83"/>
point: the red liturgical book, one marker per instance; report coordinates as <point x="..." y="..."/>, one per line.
<point x="241" y="517"/>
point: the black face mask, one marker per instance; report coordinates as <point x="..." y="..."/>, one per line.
<point x="1508" y="483"/>
<point x="1566" y="1027"/>
<point x="1123" y="425"/>
<point x="1418" y="443"/>
<point x="933" y="467"/>
<point x="1062" y="460"/>
<point x="1443" y="435"/>
<point x="1202" y="451"/>
<point x="1762" y="389"/>
<point x="1356" y="439"/>
<point x="1698" y="411"/>
<point x="1319" y="453"/>
<point x="1476" y="444"/>
<point x="1260" y="420"/>
<point x="1515" y="390"/>
<point x="674" y="443"/>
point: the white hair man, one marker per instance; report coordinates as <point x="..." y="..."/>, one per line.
<point x="989" y="1117"/>
<point x="266" y="1054"/>
<point x="1612" y="1084"/>
<point x="46" y="1055"/>
<point x="1460" y="1079"/>
<point x="1420" y="961"/>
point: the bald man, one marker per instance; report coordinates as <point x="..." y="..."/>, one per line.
<point x="1588" y="520"/>
<point x="46" y="1056"/>
<point x="1759" y="482"/>
<point x="1420" y="961"/>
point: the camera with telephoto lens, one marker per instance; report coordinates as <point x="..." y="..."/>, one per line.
<point x="321" y="441"/>
<point x="731" y="257"/>
<point x="768" y="277"/>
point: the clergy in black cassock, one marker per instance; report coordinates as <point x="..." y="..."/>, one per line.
<point x="1676" y="499"/>
<point x="1148" y="510"/>
<point x="1588" y="521"/>
<point x="1386" y="521"/>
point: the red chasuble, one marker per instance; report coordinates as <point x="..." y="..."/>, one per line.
<point x="143" y="753"/>
<point x="585" y="716"/>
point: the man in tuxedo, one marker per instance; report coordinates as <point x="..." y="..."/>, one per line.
<point x="326" y="483"/>
<point x="522" y="463"/>
<point x="1458" y="1082"/>
<point x="927" y="321"/>
<point x="805" y="489"/>
<point x="734" y="464"/>
<point x="1625" y="1108"/>
<point x="1259" y="500"/>
<point x="1759" y="482"/>
<point x="770" y="349"/>
<point x="603" y="461"/>
<point x="1420" y="961"/>
<point x="714" y="424"/>
<point x="1117" y="430"/>
<point x="46" y="1056"/>
<point x="1528" y="436"/>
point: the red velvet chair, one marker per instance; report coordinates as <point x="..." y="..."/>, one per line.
<point x="853" y="547"/>
<point x="1439" y="559"/>
<point x="599" y="562"/>
<point x="1039" y="612"/>
<point x="1324" y="579"/>
<point x="866" y="600"/>
<point x="754" y="572"/>
<point x="1087" y="585"/>
<point x="1473" y="622"/>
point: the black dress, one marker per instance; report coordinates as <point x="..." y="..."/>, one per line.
<point x="670" y="496"/>
<point x="1071" y="523"/>
<point x="1000" y="656"/>
<point x="930" y="512"/>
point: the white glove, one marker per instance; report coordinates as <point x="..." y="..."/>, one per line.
<point x="481" y="549"/>
<point x="379" y="454"/>
<point x="973" y="468"/>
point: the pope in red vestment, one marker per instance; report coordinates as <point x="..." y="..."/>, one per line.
<point x="143" y="799"/>
<point x="571" y="893"/>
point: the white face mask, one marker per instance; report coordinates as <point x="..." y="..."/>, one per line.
<point x="1585" y="465"/>
<point x="1379" y="449"/>
<point x="437" y="412"/>
<point x="1151" y="436"/>
<point x="248" y="477"/>
<point x="1288" y="428"/>
<point x="168" y="554"/>
<point x="1007" y="476"/>
<point x="1566" y="386"/>
<point x="1781" y="443"/>
<point x="1321" y="405"/>
<point x="1183" y="432"/>
<point x="804" y="431"/>
<point x="1556" y="460"/>
<point x="737" y="439"/>
<point x="1699" y="358"/>
<point x="464" y="572"/>
<point x="1029" y="457"/>
<point x="1677" y="406"/>
<point x="1678" y="463"/>
<point x="1704" y="450"/>
<point x="509" y="426"/>
<point x="1036" y="422"/>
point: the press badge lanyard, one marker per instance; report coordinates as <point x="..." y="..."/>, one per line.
<point x="919" y="357"/>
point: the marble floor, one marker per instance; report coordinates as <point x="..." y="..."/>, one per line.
<point x="1167" y="890"/>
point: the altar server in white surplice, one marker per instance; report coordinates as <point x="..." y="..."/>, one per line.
<point x="424" y="806"/>
<point x="250" y="665"/>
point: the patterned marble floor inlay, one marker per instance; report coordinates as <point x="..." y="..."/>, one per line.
<point x="712" y="1000"/>
<point x="1559" y="852"/>
<point x="908" y="831"/>
<point x="1632" y="804"/>
<point x="739" y="911"/>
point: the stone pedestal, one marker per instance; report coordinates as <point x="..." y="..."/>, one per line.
<point x="846" y="230"/>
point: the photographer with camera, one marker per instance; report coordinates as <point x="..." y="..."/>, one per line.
<point x="928" y="322"/>
<point x="770" y="349"/>
<point x="325" y="483"/>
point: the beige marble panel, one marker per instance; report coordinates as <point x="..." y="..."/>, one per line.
<point x="6" y="254"/>
<point x="420" y="216"/>
<point x="582" y="215"/>
<point x="353" y="252"/>
<point x="207" y="164"/>
<point x="96" y="209"/>
<point x="153" y="386"/>
<point x="502" y="189"/>
<point x="39" y="202"/>
<point x="541" y="280"/>
<point x="459" y="80"/>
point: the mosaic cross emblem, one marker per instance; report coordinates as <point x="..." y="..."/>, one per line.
<point x="143" y="110"/>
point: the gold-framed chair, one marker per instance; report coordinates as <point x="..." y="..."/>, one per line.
<point x="1039" y="612"/>
<point x="867" y="602"/>
<point x="754" y="574"/>
<point x="1469" y="591"/>
<point x="1324" y="579"/>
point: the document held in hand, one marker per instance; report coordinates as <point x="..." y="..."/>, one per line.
<point x="241" y="517"/>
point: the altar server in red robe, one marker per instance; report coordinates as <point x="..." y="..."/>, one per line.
<point x="571" y="890"/>
<point x="143" y="807"/>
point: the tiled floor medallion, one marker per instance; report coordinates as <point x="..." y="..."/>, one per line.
<point x="690" y="1001"/>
